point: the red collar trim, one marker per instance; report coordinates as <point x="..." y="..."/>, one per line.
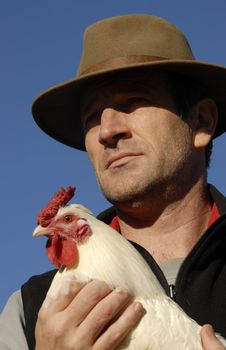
<point x="214" y="214"/>
<point x="115" y="224"/>
<point x="213" y="217"/>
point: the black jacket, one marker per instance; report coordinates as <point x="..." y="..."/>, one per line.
<point x="200" y="287"/>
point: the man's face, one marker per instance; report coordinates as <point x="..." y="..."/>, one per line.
<point x="134" y="137"/>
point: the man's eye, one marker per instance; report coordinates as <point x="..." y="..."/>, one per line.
<point x="135" y="102"/>
<point x="90" y="121"/>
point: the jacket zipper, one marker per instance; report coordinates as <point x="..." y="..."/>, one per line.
<point x="172" y="292"/>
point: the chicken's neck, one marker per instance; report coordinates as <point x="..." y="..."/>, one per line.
<point x="171" y="231"/>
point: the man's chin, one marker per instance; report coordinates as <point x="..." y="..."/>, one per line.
<point x="117" y="197"/>
<point x="122" y="196"/>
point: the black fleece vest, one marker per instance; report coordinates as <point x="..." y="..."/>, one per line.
<point x="33" y="294"/>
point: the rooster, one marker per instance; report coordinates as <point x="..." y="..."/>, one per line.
<point x="84" y="248"/>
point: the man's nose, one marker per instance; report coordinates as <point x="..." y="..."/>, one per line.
<point x="113" y="127"/>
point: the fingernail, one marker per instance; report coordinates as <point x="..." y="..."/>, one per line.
<point x="122" y="290"/>
<point x="138" y="307"/>
<point x="209" y="330"/>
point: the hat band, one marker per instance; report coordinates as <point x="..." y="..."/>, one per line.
<point x="119" y="62"/>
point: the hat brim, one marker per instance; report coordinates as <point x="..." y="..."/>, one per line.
<point x="57" y="110"/>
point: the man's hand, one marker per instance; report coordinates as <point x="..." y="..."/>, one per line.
<point x="209" y="339"/>
<point x="90" y="316"/>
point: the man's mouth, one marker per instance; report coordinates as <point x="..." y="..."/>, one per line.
<point x="120" y="159"/>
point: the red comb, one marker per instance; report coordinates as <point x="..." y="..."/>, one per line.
<point x="60" y="199"/>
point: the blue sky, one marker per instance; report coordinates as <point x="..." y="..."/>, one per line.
<point x="40" y="45"/>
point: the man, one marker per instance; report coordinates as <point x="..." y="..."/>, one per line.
<point x="146" y="112"/>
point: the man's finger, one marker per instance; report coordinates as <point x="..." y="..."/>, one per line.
<point x="87" y="298"/>
<point x="104" y="313"/>
<point x="113" y="336"/>
<point x="209" y="339"/>
<point x="63" y="298"/>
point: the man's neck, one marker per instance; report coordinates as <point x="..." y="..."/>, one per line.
<point x="174" y="230"/>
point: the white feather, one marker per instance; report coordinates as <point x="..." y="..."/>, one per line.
<point x="107" y="256"/>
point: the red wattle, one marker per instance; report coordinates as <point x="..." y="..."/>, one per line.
<point x="50" y="251"/>
<point x="69" y="253"/>
<point x="61" y="251"/>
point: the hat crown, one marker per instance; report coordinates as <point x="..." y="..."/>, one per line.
<point x="131" y="36"/>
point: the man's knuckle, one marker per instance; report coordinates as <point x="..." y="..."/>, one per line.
<point x="107" y="310"/>
<point x="97" y="291"/>
<point x="93" y="296"/>
<point x="115" y="337"/>
<point x="42" y="314"/>
<point x="60" y="327"/>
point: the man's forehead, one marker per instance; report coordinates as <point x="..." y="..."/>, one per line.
<point x="124" y="84"/>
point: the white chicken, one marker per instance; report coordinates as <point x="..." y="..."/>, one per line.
<point x="85" y="248"/>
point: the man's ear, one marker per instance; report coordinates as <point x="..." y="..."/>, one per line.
<point x="204" y="117"/>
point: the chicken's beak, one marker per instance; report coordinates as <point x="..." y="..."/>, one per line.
<point x="42" y="231"/>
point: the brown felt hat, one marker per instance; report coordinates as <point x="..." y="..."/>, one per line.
<point x="119" y="44"/>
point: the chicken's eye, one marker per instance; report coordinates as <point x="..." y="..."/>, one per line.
<point x="68" y="219"/>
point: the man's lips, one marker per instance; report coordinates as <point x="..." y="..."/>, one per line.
<point x="120" y="158"/>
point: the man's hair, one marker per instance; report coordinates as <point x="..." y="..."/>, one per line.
<point x="187" y="93"/>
